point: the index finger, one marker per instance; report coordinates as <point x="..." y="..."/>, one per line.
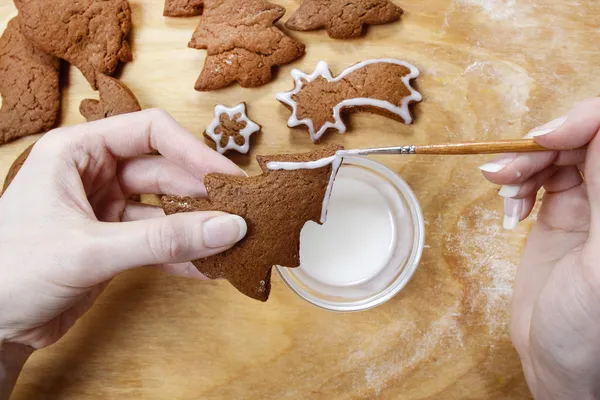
<point x="134" y="134"/>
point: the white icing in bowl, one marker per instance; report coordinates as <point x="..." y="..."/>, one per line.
<point x="370" y="245"/>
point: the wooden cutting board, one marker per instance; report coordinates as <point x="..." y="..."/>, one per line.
<point x="490" y="69"/>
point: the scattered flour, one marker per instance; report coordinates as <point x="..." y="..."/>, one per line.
<point x="378" y="373"/>
<point x="491" y="261"/>
<point x="495" y="9"/>
<point x="486" y="263"/>
<point x="509" y="80"/>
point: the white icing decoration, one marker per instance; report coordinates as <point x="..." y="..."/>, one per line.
<point x="322" y="70"/>
<point x="250" y="128"/>
<point x="335" y="161"/>
<point x="290" y="166"/>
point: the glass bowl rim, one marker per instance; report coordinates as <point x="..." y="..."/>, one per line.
<point x="411" y="263"/>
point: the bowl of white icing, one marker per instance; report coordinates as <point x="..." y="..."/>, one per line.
<point x="369" y="246"/>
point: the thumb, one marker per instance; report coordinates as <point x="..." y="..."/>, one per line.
<point x="578" y="128"/>
<point x="575" y="129"/>
<point x="171" y="239"/>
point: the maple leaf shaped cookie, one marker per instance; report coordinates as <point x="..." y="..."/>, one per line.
<point x="343" y="19"/>
<point x="243" y="44"/>
<point x="275" y="205"/>
<point x="183" y="8"/>
<point x="90" y="34"/>
<point x="231" y="129"/>
<point x="381" y="86"/>
<point x="115" y="99"/>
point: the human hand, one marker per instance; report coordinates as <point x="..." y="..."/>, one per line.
<point x="61" y="235"/>
<point x="555" y="324"/>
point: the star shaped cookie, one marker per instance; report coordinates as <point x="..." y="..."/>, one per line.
<point x="231" y="129"/>
<point x="380" y="86"/>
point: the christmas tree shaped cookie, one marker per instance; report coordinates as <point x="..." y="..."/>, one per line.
<point x="275" y="205"/>
<point x="242" y="43"/>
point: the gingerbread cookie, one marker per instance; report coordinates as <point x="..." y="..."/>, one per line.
<point x="243" y="44"/>
<point x="231" y="129"/>
<point x="343" y="19"/>
<point x="381" y="86"/>
<point x="90" y="34"/>
<point x="183" y="8"/>
<point x="15" y="167"/>
<point x="275" y="205"/>
<point x="115" y="99"/>
<point x="29" y="85"/>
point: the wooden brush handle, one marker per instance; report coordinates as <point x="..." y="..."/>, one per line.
<point x="480" y="147"/>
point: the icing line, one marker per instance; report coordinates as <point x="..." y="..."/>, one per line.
<point x="250" y="128"/>
<point x="322" y="70"/>
<point x="335" y="161"/>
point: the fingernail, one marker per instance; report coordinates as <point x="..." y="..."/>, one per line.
<point x="509" y="190"/>
<point x="512" y="212"/>
<point x="548" y="128"/>
<point x="499" y="163"/>
<point x="224" y="230"/>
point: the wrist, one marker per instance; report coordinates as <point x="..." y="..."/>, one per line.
<point x="12" y="359"/>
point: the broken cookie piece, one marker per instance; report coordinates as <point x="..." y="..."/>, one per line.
<point x="231" y="129"/>
<point x="343" y="19"/>
<point x="183" y="8"/>
<point x="90" y="34"/>
<point x="115" y="99"/>
<point x="243" y="44"/>
<point x="29" y="85"/>
<point x="275" y="205"/>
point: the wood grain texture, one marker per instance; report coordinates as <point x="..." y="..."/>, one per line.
<point x="491" y="69"/>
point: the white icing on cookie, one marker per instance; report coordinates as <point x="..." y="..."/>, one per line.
<point x="335" y="161"/>
<point x="290" y="165"/>
<point x="322" y="71"/>
<point x="250" y="128"/>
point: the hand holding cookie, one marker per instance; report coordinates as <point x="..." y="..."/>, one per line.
<point x="68" y="202"/>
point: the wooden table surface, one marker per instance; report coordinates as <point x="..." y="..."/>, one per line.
<point x="490" y="69"/>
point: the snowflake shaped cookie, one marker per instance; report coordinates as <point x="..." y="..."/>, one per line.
<point x="381" y="86"/>
<point x="231" y="129"/>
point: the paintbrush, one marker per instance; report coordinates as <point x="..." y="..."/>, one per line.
<point x="476" y="147"/>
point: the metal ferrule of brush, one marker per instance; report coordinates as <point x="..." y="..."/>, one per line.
<point x="384" y="150"/>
